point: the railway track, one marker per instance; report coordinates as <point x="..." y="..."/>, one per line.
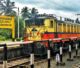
<point x="23" y="61"/>
<point x="18" y="62"/>
<point x="27" y="63"/>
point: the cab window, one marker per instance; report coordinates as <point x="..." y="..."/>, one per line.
<point x="51" y="23"/>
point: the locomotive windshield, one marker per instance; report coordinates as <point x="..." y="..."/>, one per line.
<point x="31" y="22"/>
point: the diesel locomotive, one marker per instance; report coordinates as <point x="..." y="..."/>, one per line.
<point x="44" y="27"/>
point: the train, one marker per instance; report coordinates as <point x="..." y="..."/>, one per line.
<point x="44" y="27"/>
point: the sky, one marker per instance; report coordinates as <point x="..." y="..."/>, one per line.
<point x="64" y="8"/>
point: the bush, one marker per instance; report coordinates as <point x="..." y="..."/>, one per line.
<point x="18" y="39"/>
<point x="2" y="38"/>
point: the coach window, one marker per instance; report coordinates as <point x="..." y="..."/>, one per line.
<point x="51" y="24"/>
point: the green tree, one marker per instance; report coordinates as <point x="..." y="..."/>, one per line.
<point x="6" y="7"/>
<point x="28" y="13"/>
<point x="34" y="11"/>
<point x="77" y="20"/>
<point x="25" y="13"/>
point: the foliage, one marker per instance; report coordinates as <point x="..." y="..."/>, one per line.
<point x="34" y="11"/>
<point x="25" y="13"/>
<point x="2" y="38"/>
<point x="19" y="39"/>
<point x="5" y="33"/>
<point x="28" y="13"/>
<point x="77" y="20"/>
<point x="6" y="7"/>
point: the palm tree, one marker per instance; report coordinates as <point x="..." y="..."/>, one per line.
<point x="34" y="11"/>
<point x="29" y="13"/>
<point x="6" y="7"/>
<point x="77" y="20"/>
<point x="25" y="13"/>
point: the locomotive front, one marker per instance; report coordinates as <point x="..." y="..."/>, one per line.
<point x="33" y="29"/>
<point x="39" y="29"/>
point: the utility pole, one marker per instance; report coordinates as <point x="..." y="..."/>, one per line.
<point x="18" y="24"/>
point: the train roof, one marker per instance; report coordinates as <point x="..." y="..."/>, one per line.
<point x="51" y="16"/>
<point x="67" y="22"/>
<point x="41" y="16"/>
